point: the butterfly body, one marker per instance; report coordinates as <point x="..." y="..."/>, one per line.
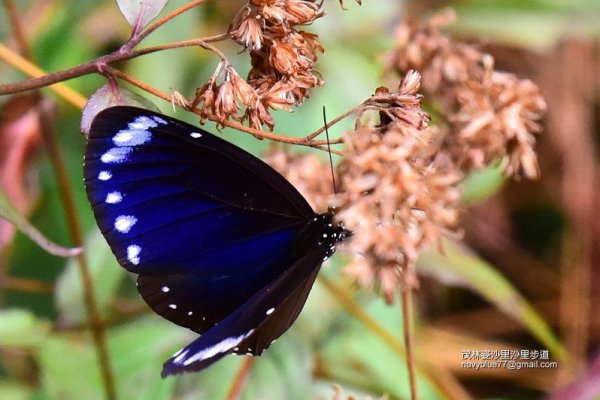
<point x="222" y="244"/>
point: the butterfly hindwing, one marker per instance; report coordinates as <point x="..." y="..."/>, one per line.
<point x="254" y="325"/>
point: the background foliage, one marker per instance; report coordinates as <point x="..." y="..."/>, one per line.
<point x="536" y="245"/>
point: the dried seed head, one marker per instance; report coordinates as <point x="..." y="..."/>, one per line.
<point x="225" y="103"/>
<point x="301" y="11"/>
<point x="243" y="91"/>
<point x="247" y="29"/>
<point x="205" y="100"/>
<point x="279" y="96"/>
<point x="490" y="115"/>
<point x="399" y="196"/>
<point x="404" y="105"/>
<point x="283" y="58"/>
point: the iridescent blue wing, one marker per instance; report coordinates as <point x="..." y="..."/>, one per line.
<point x="205" y="224"/>
<point x="251" y="328"/>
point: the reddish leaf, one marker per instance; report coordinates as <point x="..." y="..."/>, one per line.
<point x="20" y="139"/>
<point x="586" y="387"/>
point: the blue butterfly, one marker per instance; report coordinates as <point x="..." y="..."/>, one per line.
<point x="222" y="244"/>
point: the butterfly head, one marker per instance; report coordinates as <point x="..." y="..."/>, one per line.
<point x="328" y="233"/>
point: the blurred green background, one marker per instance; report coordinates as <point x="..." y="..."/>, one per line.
<point x="516" y="295"/>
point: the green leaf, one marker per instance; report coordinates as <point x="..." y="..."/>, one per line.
<point x="138" y="351"/>
<point x="460" y="267"/>
<point x="353" y="355"/>
<point x="21" y="328"/>
<point x="284" y="371"/>
<point x="70" y="371"/>
<point x="481" y="184"/>
<point x="106" y="275"/>
<point x="12" y="215"/>
<point x="533" y="23"/>
<point x="14" y="391"/>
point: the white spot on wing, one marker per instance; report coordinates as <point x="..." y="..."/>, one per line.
<point x="115" y="155"/>
<point x="221" y="347"/>
<point x="142" y="123"/>
<point x="165" y="289"/>
<point x="123" y="223"/>
<point x="133" y="254"/>
<point x="180" y="355"/>
<point x="104" y="175"/>
<point x="132" y="137"/>
<point x="159" y="120"/>
<point x="190" y="312"/>
<point x="196" y="135"/>
<point x="114" y="197"/>
<point x="173" y="306"/>
<point x="270" y="311"/>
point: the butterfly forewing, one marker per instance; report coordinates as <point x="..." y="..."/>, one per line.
<point x="200" y="217"/>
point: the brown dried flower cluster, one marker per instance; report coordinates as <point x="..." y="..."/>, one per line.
<point x="224" y="95"/>
<point x="282" y="57"/>
<point x="490" y="115"/>
<point x="400" y="191"/>
<point x="399" y="177"/>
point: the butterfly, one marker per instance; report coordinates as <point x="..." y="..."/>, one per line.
<point x="221" y="243"/>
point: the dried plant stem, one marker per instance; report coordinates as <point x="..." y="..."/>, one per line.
<point x="78" y="100"/>
<point x="31" y="69"/>
<point x="240" y="379"/>
<point x="42" y="79"/>
<point x="333" y="122"/>
<point x="355" y="309"/>
<point x="302" y="141"/>
<point x="202" y="42"/>
<point x="9" y="213"/>
<point x="17" y="28"/>
<point x="406" y="299"/>
<point x="25" y="285"/>
<point x="74" y="227"/>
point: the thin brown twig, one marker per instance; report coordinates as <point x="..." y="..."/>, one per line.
<point x="406" y="299"/>
<point x="25" y="285"/>
<point x="333" y="122"/>
<point x="126" y="52"/>
<point x="319" y="144"/>
<point x="180" y="44"/>
<point x="240" y="379"/>
<point x="74" y="228"/>
<point x="97" y="64"/>
<point x="27" y="67"/>
<point x="17" y="28"/>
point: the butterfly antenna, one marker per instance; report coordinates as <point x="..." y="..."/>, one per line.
<point x="329" y="151"/>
